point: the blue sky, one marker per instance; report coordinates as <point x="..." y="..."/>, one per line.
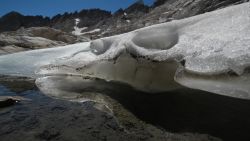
<point x="52" y="7"/>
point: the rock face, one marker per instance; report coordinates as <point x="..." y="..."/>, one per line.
<point x="139" y="15"/>
<point x="123" y="20"/>
<point x="87" y="18"/>
<point x="165" y="11"/>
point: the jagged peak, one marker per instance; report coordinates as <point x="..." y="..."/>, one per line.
<point x="137" y="6"/>
<point x="159" y="2"/>
<point x="12" y="13"/>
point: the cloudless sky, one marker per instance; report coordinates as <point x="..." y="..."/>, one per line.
<point x="53" y="7"/>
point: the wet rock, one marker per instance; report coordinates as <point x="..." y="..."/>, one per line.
<point x="6" y="101"/>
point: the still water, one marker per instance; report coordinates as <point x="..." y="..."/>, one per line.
<point x="121" y="113"/>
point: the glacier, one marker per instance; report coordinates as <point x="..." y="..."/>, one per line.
<point x="26" y="63"/>
<point x="209" y="52"/>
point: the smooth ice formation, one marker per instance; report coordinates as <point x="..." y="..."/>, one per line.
<point x="210" y="52"/>
<point x="26" y="63"/>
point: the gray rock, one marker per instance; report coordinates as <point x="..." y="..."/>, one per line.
<point x="50" y="33"/>
<point x="16" y="43"/>
<point x="35" y="38"/>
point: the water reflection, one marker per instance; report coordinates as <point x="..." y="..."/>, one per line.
<point x="183" y="110"/>
<point x="45" y="118"/>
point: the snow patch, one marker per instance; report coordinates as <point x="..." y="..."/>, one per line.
<point x="92" y="31"/>
<point x="77" y="30"/>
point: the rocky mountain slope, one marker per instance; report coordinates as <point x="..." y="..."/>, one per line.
<point x="163" y="11"/>
<point x="135" y="16"/>
<point x="69" y="28"/>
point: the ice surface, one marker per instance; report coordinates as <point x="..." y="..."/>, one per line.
<point x="224" y="84"/>
<point x="210" y="52"/>
<point x="26" y="63"/>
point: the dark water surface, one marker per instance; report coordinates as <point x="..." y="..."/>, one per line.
<point x="44" y="118"/>
<point x="195" y="111"/>
<point x="181" y="111"/>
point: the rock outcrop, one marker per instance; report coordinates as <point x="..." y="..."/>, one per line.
<point x="162" y="11"/>
<point x="14" y="20"/>
<point x="87" y="18"/>
<point x="35" y="38"/>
